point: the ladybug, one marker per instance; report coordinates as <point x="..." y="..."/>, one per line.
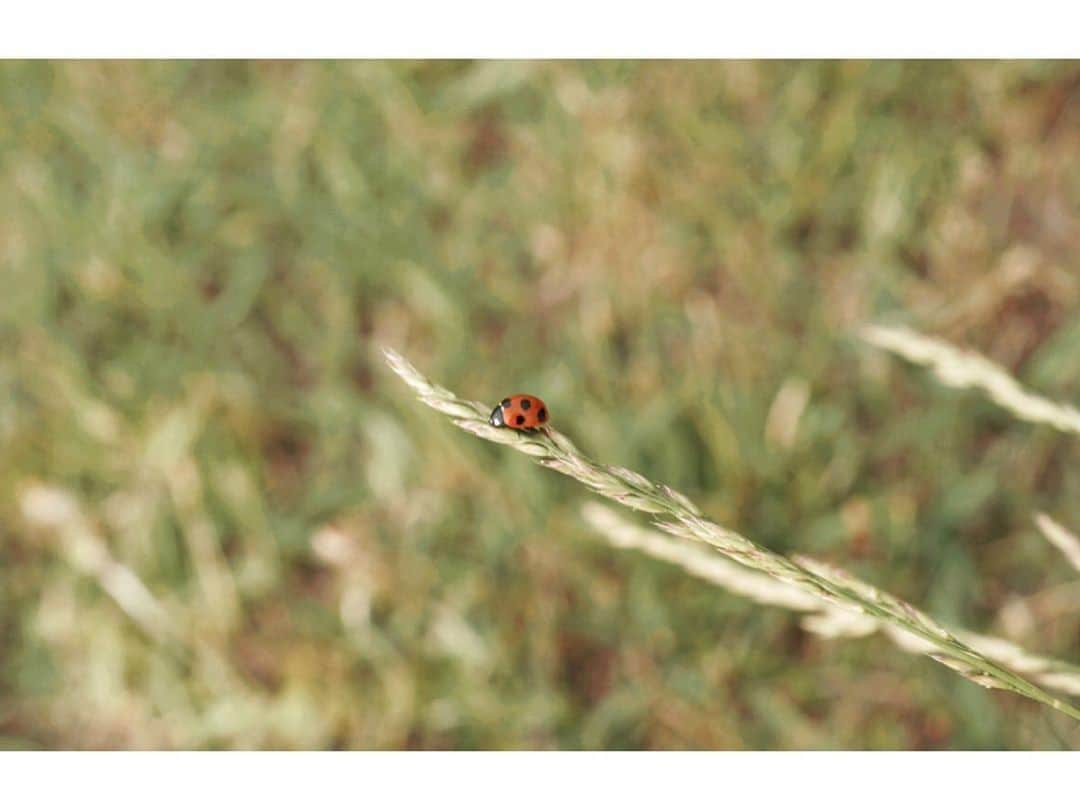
<point x="519" y="412"/>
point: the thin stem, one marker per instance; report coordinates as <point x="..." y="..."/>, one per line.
<point x="683" y="519"/>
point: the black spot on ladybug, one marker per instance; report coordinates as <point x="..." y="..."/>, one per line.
<point x="505" y="402"/>
<point x="519" y="420"/>
<point x="542" y="414"/>
<point x="525" y="403"/>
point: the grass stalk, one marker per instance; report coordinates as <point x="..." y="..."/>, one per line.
<point x="1060" y="537"/>
<point x="966" y="369"/>
<point x="821" y="617"/>
<point x="677" y="515"/>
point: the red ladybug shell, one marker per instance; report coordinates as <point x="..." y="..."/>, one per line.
<point x="521" y="411"/>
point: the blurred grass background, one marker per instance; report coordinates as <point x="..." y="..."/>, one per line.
<point x="200" y="262"/>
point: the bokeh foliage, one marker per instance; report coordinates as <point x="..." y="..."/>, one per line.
<point x="200" y="262"/>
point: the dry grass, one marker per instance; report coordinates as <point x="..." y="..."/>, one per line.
<point x="966" y="369"/>
<point x="677" y="515"/>
<point x="1061" y="538"/>
<point x="822" y="617"/>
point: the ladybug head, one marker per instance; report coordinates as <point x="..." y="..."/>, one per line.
<point x="496" y="418"/>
